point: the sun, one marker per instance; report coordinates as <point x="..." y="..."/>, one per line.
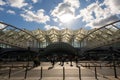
<point x="65" y="18"/>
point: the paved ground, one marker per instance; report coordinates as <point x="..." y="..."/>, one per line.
<point x="56" y="73"/>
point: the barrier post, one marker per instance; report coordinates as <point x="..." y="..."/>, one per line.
<point x="79" y="72"/>
<point x="115" y="72"/>
<point x="63" y="73"/>
<point x="26" y="72"/>
<point x="9" y="72"/>
<point x="95" y="73"/>
<point x="41" y="72"/>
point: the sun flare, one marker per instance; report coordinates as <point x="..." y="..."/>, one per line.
<point x="66" y="18"/>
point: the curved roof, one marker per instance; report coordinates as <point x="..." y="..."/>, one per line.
<point x="110" y="33"/>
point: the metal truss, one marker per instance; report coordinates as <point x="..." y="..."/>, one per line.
<point x="108" y="34"/>
<point x="14" y="36"/>
<point x="103" y="36"/>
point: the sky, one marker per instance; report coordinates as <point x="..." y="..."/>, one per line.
<point x="59" y="14"/>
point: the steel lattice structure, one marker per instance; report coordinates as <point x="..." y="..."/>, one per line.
<point x="108" y="34"/>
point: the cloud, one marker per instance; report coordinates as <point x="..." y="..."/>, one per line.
<point x="96" y="16"/>
<point x="38" y="16"/>
<point x="2" y="26"/>
<point x="17" y="3"/>
<point x="2" y="2"/>
<point x="93" y="11"/>
<point x="113" y="5"/>
<point x="34" y="1"/>
<point x="11" y="12"/>
<point x="73" y="3"/>
<point x="101" y="22"/>
<point x="87" y="0"/>
<point x="1" y="9"/>
<point x="66" y="7"/>
<point x="48" y="27"/>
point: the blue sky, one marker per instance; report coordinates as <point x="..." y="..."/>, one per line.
<point x="59" y="14"/>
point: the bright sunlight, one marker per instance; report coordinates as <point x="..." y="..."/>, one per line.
<point x="66" y="18"/>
